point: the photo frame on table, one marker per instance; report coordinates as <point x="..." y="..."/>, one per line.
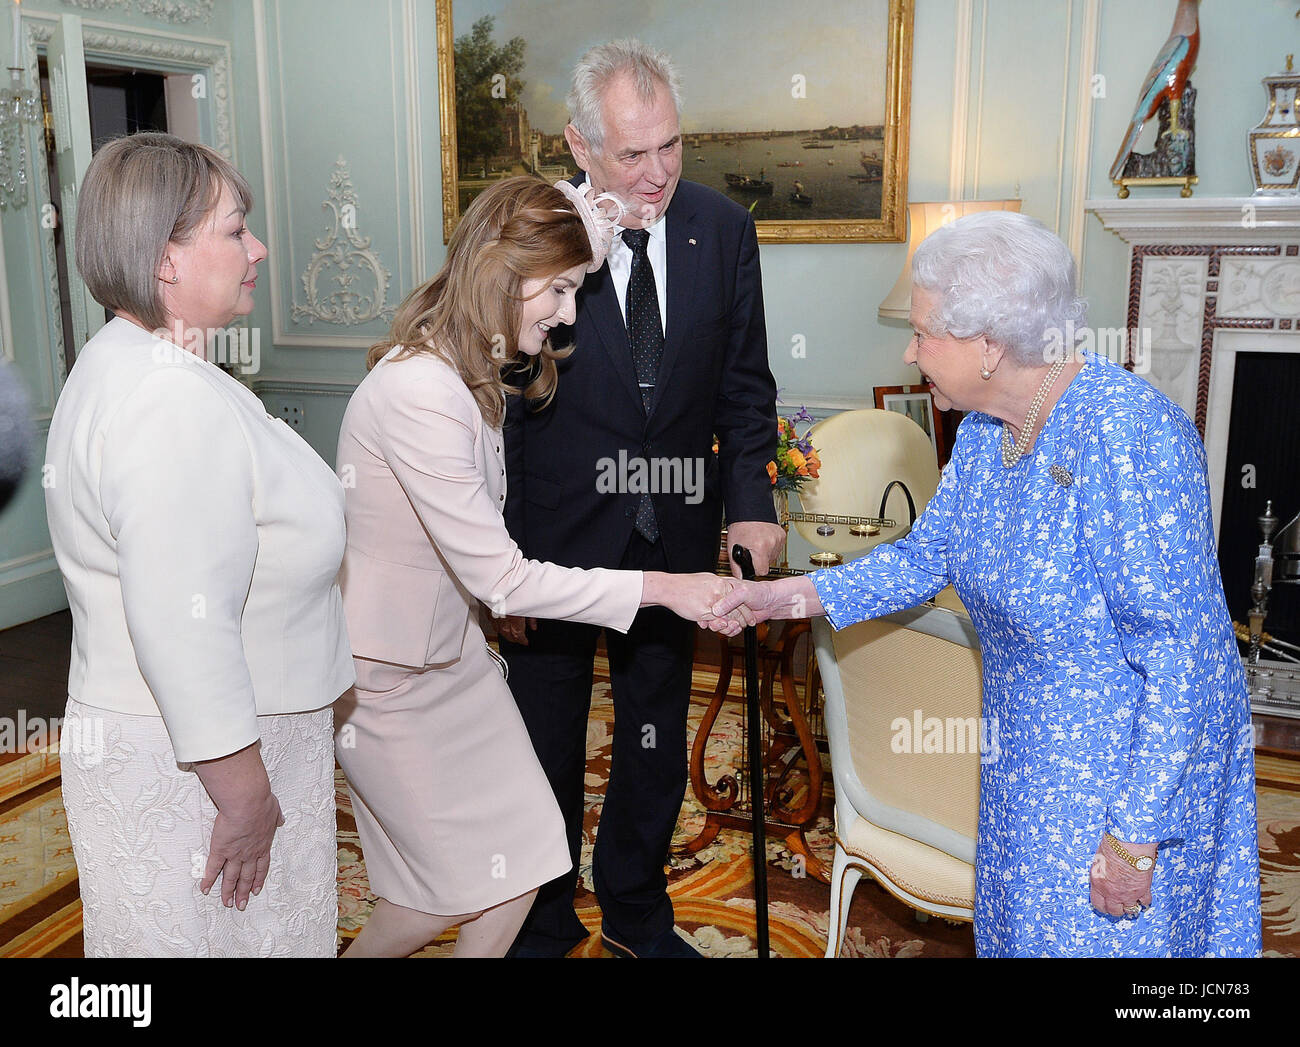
<point x="916" y="402"/>
<point x="805" y="122"/>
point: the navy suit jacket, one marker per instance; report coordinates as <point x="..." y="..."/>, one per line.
<point x="713" y="380"/>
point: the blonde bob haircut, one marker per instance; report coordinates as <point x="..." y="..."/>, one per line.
<point x="141" y="192"/>
<point x="518" y="229"/>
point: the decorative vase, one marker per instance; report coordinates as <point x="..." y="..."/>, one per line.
<point x="781" y="499"/>
<point x="1274" y="143"/>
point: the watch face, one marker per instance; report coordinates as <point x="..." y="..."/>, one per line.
<point x="1144" y="863"/>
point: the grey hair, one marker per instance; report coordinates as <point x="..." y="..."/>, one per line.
<point x="1005" y="276"/>
<point x="647" y="67"/>
<point x="142" y="191"/>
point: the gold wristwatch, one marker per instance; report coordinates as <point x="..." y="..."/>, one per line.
<point x="1141" y="863"/>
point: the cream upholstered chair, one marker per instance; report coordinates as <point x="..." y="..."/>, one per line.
<point x="895" y="687"/>
<point x="862" y="453"/>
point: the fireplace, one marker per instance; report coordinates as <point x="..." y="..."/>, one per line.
<point x="1214" y="288"/>
<point x="1257" y="395"/>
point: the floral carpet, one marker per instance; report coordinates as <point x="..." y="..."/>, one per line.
<point x="712" y="890"/>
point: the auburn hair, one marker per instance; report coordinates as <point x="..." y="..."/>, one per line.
<point x="518" y="229"/>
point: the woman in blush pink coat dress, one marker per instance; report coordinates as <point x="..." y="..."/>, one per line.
<point x="457" y="821"/>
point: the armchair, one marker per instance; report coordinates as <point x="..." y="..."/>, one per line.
<point x="904" y="815"/>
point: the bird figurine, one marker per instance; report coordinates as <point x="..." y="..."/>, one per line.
<point x="1165" y="79"/>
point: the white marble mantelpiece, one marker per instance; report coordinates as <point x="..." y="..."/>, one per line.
<point x="1204" y="220"/>
<point x="1208" y="278"/>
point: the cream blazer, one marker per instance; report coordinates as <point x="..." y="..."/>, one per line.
<point x="426" y="482"/>
<point x="200" y="543"/>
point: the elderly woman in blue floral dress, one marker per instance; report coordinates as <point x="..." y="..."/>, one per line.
<point x="1074" y="522"/>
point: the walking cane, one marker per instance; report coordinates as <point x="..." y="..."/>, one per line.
<point x="757" y="797"/>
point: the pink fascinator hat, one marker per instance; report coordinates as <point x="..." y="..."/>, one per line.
<point x="600" y="214"/>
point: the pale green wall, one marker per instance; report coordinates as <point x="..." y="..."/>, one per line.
<point x="337" y="77"/>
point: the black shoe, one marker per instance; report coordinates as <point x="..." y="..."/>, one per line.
<point x="669" y="945"/>
<point x="535" y="947"/>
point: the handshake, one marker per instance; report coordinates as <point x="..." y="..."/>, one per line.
<point x="725" y="605"/>
<point x="728" y="605"/>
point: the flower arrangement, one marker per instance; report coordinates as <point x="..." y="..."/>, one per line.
<point x="796" y="458"/>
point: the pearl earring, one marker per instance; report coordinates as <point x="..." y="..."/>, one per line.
<point x="985" y="373"/>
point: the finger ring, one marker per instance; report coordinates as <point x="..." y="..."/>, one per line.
<point x="1132" y="910"/>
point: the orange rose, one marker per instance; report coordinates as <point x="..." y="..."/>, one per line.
<point x="771" y="471"/>
<point x="797" y="460"/>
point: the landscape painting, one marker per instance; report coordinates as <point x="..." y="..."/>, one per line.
<point x="799" y="115"/>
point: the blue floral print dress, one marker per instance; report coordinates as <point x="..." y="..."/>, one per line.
<point x="1089" y="571"/>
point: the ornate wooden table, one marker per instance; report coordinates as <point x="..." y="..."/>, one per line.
<point x="794" y="737"/>
<point x="794" y="728"/>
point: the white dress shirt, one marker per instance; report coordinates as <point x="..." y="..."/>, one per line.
<point x="200" y="542"/>
<point x="620" y="266"/>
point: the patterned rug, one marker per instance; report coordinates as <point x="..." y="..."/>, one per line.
<point x="40" y="908"/>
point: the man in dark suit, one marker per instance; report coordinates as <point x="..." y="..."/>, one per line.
<point x="619" y="471"/>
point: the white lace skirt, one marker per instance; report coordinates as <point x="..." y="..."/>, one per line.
<point x="141" y="824"/>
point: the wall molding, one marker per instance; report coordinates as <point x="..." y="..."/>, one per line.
<point x="54" y="347"/>
<point x="166" y="10"/>
<point x="415" y="140"/>
<point x="6" y="317"/>
<point x="960" y="99"/>
<point x="1065" y="107"/>
<point x="173" y="51"/>
<point x="303" y="386"/>
<point x="979" y="101"/>
<point x="826" y="403"/>
<point x="15" y="563"/>
<point x="343" y="250"/>
<point x="404" y="67"/>
<point x="30" y="591"/>
<point x="1083" y="129"/>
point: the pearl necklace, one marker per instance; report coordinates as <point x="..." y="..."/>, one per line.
<point x="1013" y="452"/>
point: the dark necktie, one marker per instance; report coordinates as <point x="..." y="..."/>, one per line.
<point x="646" y="337"/>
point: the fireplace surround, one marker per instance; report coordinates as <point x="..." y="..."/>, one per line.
<point x="1208" y="280"/>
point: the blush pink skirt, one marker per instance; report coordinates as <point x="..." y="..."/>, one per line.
<point x="453" y="810"/>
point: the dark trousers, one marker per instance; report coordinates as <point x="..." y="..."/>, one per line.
<point x="650" y="675"/>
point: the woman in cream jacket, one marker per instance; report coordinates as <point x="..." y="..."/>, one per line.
<point x="199" y="542"/>
<point x="457" y="821"/>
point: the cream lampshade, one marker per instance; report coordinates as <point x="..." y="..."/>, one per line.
<point x="922" y="220"/>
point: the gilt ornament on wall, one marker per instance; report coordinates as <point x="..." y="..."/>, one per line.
<point x="345" y="282"/>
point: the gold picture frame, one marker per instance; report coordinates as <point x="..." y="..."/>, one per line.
<point x="888" y="169"/>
